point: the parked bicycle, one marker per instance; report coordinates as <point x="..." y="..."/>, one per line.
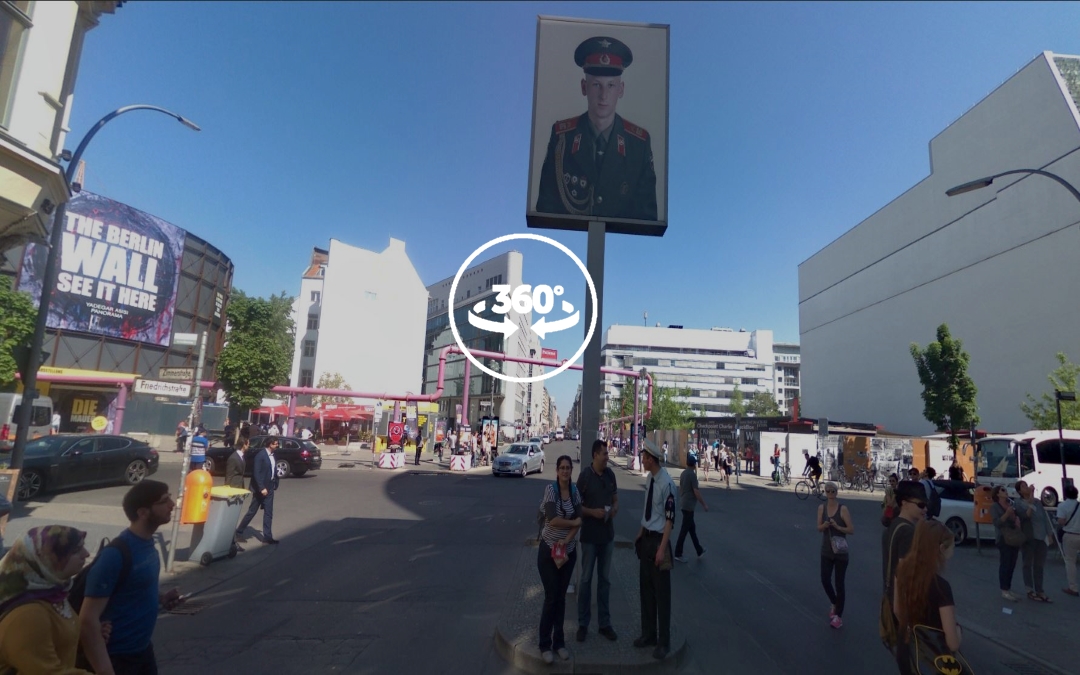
<point x="785" y="474"/>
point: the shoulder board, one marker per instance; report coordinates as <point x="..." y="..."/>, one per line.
<point x="563" y="126"/>
<point x="635" y="130"/>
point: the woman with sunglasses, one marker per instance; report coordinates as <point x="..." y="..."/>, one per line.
<point x="1005" y="518"/>
<point x="562" y="515"/>
<point x="834" y="523"/>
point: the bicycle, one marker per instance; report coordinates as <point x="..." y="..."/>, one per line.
<point x="785" y="474"/>
<point x="807" y="487"/>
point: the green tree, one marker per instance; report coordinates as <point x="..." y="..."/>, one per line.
<point x="738" y="405"/>
<point x="332" y="381"/>
<point x="762" y="404"/>
<point x="17" y="316"/>
<point x="623" y="406"/>
<point x="670" y="410"/>
<point x="258" y="351"/>
<point x="1043" y="411"/>
<point x="948" y="392"/>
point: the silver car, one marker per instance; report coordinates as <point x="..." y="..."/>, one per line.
<point x="520" y="459"/>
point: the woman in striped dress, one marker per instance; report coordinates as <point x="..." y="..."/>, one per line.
<point x="562" y="513"/>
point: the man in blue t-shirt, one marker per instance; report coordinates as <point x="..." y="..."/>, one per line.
<point x="132" y="606"/>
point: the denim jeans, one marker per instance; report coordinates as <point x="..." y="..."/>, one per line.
<point x="555" y="580"/>
<point x="1006" y="564"/>
<point x="601" y="555"/>
<point x="1034" y="564"/>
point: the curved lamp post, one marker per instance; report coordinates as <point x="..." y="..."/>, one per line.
<point x="1059" y="395"/>
<point x="48" y="281"/>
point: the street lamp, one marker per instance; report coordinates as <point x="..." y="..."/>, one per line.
<point x="1063" y="396"/>
<point x="979" y="184"/>
<point x="48" y="282"/>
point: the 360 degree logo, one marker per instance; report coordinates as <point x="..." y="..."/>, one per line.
<point x="524" y="299"/>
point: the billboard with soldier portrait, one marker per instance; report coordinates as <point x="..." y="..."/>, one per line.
<point x="600" y="126"/>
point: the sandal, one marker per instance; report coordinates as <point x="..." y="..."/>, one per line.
<point x="1031" y="596"/>
<point x="1044" y="597"/>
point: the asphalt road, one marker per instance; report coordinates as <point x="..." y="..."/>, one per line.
<point x="408" y="571"/>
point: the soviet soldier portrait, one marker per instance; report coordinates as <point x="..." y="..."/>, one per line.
<point x="598" y="163"/>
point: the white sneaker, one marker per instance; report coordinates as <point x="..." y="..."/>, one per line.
<point x="1010" y="596"/>
<point x="548" y="657"/>
<point x="564" y="654"/>
<point x="679" y="558"/>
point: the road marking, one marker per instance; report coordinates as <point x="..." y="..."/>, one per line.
<point x="486" y="519"/>
<point x="346" y="541"/>
<point x="782" y="595"/>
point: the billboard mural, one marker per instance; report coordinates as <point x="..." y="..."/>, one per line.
<point x="118" y="271"/>
<point x="600" y="126"/>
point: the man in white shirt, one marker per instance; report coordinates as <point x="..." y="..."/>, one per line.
<point x="305" y="434"/>
<point x="1069" y="520"/>
<point x="55" y="422"/>
<point x="653" y="546"/>
<point x="273" y="430"/>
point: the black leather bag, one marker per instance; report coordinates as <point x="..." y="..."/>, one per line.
<point x="930" y="654"/>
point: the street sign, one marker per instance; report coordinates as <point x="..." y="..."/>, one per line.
<point x="378" y="412"/>
<point x="549" y="354"/>
<point x="159" y="388"/>
<point x="176" y="373"/>
<point x="410" y="412"/>
<point x="185" y="339"/>
<point x="396" y="432"/>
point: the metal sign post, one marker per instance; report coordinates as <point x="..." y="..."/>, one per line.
<point x="187" y="448"/>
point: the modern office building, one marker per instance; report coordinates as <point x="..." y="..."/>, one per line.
<point x="39" y="61"/>
<point x="788" y="361"/>
<point x="360" y="314"/>
<point x="998" y="265"/>
<point x="510" y="401"/>
<point x="710" y="363"/>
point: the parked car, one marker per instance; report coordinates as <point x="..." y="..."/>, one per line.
<point x="65" y="461"/>
<point x="294" y="456"/>
<point x="958" y="510"/>
<point x="546" y="438"/>
<point x="40" y="418"/>
<point x="521" y="459"/>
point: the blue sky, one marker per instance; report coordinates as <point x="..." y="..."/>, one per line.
<point x="789" y="124"/>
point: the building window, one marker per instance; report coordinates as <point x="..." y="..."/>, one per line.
<point x="14" y="24"/>
<point x="313" y="322"/>
<point x="369" y="295"/>
<point x="307" y="377"/>
<point x="309" y="348"/>
<point x="316" y="296"/>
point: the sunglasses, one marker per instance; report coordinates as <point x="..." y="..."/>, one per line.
<point x="921" y="505"/>
<point x="830" y="492"/>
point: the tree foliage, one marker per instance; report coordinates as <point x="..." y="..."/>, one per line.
<point x="1043" y="411"/>
<point x="259" y="347"/>
<point x="948" y="392"/>
<point x="737" y="406"/>
<point x="17" y="316"/>
<point x="762" y="404"/>
<point x="332" y="381"/>
<point x="669" y="411"/>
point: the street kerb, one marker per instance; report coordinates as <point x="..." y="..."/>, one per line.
<point x="517" y="628"/>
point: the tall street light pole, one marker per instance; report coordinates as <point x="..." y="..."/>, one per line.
<point x="48" y="281"/>
<point x="1063" y="396"/>
<point x="979" y="184"/>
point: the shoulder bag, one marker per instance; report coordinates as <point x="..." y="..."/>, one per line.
<point x="887" y="627"/>
<point x="930" y="654"/>
<point x="1061" y="528"/>
<point x="1013" y="536"/>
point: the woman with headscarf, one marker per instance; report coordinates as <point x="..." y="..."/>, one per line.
<point x="39" y="631"/>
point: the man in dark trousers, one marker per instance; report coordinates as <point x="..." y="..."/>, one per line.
<point x="263" y="483"/>
<point x="653" y="546"/>
<point x="689" y="498"/>
<point x="599" y="504"/>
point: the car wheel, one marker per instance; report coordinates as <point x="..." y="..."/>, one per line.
<point x="282" y="468"/>
<point x="208" y="464"/>
<point x="958" y="528"/>
<point x="299" y="472"/>
<point x="524" y="469"/>
<point x="541" y="466"/>
<point x="31" y="483"/>
<point x="1049" y="497"/>
<point x="135" y="472"/>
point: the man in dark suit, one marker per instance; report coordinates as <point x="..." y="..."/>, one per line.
<point x="234" y="466"/>
<point x="263" y="483"/>
<point x="599" y="164"/>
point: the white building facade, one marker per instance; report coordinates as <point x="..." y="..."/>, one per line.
<point x="998" y="265"/>
<point x="510" y="401"/>
<point x="39" y="62"/>
<point x="360" y="314"/>
<point x="788" y="376"/>
<point x="710" y="363"/>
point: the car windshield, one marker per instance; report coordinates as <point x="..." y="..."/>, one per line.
<point x="534" y="440"/>
<point x="519" y="450"/>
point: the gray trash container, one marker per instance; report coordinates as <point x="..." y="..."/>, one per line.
<point x="215" y="539"/>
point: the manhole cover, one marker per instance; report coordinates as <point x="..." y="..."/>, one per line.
<point x="430" y="502"/>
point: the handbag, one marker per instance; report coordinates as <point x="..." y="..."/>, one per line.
<point x="930" y="654"/>
<point x="839" y="545"/>
<point x="1013" y="536"/>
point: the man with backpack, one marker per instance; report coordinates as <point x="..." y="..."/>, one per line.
<point x="933" y="499"/>
<point x="121" y="587"/>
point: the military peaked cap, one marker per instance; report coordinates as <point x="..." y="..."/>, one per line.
<point x="604" y="56"/>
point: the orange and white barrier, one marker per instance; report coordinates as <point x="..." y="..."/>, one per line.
<point x="392" y="460"/>
<point x="460" y="462"/>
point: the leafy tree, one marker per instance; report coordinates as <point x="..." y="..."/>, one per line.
<point x="17" y="317"/>
<point x="763" y="405"/>
<point x="1043" y="411"/>
<point x="948" y="392"/>
<point x="670" y="410"/>
<point x="738" y="405"/>
<point x="331" y="381"/>
<point x="258" y="352"/>
<point x="624" y="405"/>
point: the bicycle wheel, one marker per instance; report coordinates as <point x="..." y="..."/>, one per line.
<point x="820" y="492"/>
<point x="802" y="490"/>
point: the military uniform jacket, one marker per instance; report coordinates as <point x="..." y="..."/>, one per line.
<point x="573" y="181"/>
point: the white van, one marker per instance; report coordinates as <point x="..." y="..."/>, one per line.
<point x="1033" y="456"/>
<point x="40" y="418"/>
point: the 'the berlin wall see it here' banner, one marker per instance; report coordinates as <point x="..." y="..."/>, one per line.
<point x="117" y="275"/>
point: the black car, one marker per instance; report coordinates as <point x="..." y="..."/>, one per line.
<point x="65" y="461"/>
<point x="294" y="456"/>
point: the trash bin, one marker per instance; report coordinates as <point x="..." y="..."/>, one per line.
<point x="197" y="488"/>
<point x="199" y="445"/>
<point x="216" y="538"/>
